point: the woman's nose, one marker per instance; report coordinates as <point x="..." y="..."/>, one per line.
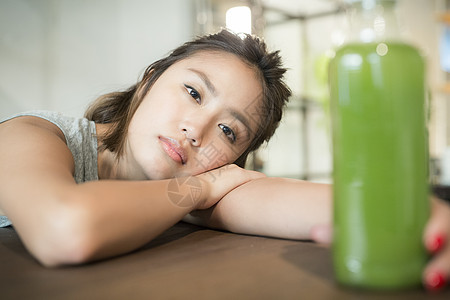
<point x="196" y="126"/>
<point x="193" y="135"/>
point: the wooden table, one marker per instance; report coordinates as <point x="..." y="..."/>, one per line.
<point x="188" y="262"/>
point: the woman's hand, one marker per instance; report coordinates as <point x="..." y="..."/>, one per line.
<point x="221" y="181"/>
<point x="436" y="237"/>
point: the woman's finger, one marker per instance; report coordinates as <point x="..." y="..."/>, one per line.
<point x="438" y="227"/>
<point x="322" y="233"/>
<point x="436" y="274"/>
<point x="224" y="179"/>
<point x="436" y="237"/>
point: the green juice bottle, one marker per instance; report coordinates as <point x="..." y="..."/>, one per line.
<point x="380" y="154"/>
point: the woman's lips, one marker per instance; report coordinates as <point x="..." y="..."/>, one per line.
<point x="173" y="149"/>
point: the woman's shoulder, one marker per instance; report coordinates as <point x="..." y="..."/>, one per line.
<point x="33" y="154"/>
<point x="77" y="134"/>
<point x="35" y="117"/>
<point x="42" y="114"/>
<point x="32" y="123"/>
<point x="28" y="144"/>
<point x="58" y="123"/>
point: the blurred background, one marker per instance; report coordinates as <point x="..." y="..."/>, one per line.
<point x="62" y="54"/>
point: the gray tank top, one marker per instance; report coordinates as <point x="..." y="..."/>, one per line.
<point x="81" y="139"/>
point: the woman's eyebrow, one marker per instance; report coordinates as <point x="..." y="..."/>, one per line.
<point x="209" y="85"/>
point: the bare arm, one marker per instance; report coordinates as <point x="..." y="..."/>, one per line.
<point x="61" y="222"/>
<point x="276" y="207"/>
<point x="294" y="209"/>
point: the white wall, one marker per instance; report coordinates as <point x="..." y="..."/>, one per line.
<point x="61" y="54"/>
<point x="303" y="46"/>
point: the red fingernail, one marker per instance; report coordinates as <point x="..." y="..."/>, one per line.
<point x="436" y="244"/>
<point x="435" y="281"/>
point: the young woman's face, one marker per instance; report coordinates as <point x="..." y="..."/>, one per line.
<point x="202" y="113"/>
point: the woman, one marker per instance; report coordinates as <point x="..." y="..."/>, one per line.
<point x="219" y="94"/>
<point x="166" y="149"/>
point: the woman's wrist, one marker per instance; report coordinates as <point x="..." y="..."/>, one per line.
<point x="189" y="192"/>
<point x="204" y="194"/>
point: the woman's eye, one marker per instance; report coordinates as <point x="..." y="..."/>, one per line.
<point x="193" y="93"/>
<point x="229" y="133"/>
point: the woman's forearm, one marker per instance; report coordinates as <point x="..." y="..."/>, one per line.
<point x="96" y="220"/>
<point x="276" y="207"/>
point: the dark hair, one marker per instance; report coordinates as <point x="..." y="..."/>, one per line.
<point x="118" y="108"/>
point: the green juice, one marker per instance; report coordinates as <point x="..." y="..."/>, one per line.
<point x="380" y="161"/>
